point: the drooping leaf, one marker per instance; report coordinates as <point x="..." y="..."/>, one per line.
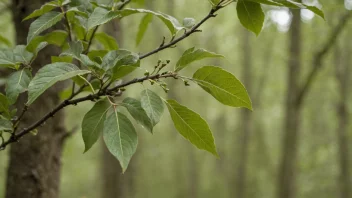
<point x="143" y="26"/>
<point x="49" y="75"/>
<point x="42" y="10"/>
<point x="223" y="86"/>
<point x="42" y="23"/>
<point x="192" y="126"/>
<point x="101" y="16"/>
<point x="192" y="55"/>
<point x="134" y="107"/>
<point x="93" y="123"/>
<point x="108" y="42"/>
<point x="267" y="2"/>
<point x="17" y="83"/>
<point x="120" y="138"/>
<point x="250" y="15"/>
<point x="153" y="105"/>
<point x="4" y="106"/>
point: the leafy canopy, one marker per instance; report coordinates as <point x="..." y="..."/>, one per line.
<point x="98" y="73"/>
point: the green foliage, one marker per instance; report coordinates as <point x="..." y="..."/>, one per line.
<point x="120" y="137"/>
<point x="223" y="86"/>
<point x="93" y="123"/>
<point x="100" y="71"/>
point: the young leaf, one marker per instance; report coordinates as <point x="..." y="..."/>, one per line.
<point x="17" y="83"/>
<point x="120" y="138"/>
<point x="223" y="86"/>
<point x="101" y="16"/>
<point x="93" y="123"/>
<point x="108" y="42"/>
<point x="5" y="41"/>
<point x="42" y="10"/>
<point x="5" y="124"/>
<point x="4" y="106"/>
<point x="49" y="75"/>
<point x="250" y="15"/>
<point x="134" y="107"/>
<point x="192" y="55"/>
<point x="214" y="2"/>
<point x="191" y="126"/>
<point x="42" y="23"/>
<point x="143" y="26"/>
<point x="153" y="105"/>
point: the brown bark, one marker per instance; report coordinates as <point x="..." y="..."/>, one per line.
<point x="246" y="122"/>
<point x="343" y="75"/>
<point x="35" y="161"/>
<point x="287" y="175"/>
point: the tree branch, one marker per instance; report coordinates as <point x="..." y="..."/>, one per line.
<point x="112" y="91"/>
<point x="185" y="35"/>
<point x="91" y="97"/>
<point x="320" y="55"/>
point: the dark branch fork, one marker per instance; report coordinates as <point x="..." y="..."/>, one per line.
<point x="112" y="91"/>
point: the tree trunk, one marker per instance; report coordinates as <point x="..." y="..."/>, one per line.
<point x="115" y="184"/>
<point x="287" y="174"/>
<point x="246" y="119"/>
<point x="35" y="161"/>
<point x="343" y="75"/>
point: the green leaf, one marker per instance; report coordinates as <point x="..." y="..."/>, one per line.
<point x="101" y="16"/>
<point x="120" y="138"/>
<point x="315" y="10"/>
<point x="214" y="2"/>
<point x="5" y="124"/>
<point x="49" y="75"/>
<point x="22" y="55"/>
<point x="250" y="15"/>
<point x="42" y="23"/>
<point x="108" y="42"/>
<point x="192" y="55"/>
<point x="17" y="83"/>
<point x="143" y="26"/>
<point x="134" y="107"/>
<point x="5" y="41"/>
<point x="267" y="2"/>
<point x="223" y="86"/>
<point x="191" y="126"/>
<point x="4" y="106"/>
<point x="93" y="123"/>
<point x="153" y="105"/>
<point x="8" y="59"/>
<point x="171" y="23"/>
<point x="56" y="37"/>
<point x="42" y="10"/>
<point x="75" y="50"/>
<point x="119" y="63"/>
<point x="65" y="59"/>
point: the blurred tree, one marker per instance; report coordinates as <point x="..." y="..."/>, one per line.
<point x="35" y="162"/>
<point x="244" y="137"/>
<point x="343" y="72"/>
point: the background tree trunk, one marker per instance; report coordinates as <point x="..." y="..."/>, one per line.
<point x="287" y="174"/>
<point x="343" y="75"/>
<point x="246" y="122"/>
<point x="35" y="161"/>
